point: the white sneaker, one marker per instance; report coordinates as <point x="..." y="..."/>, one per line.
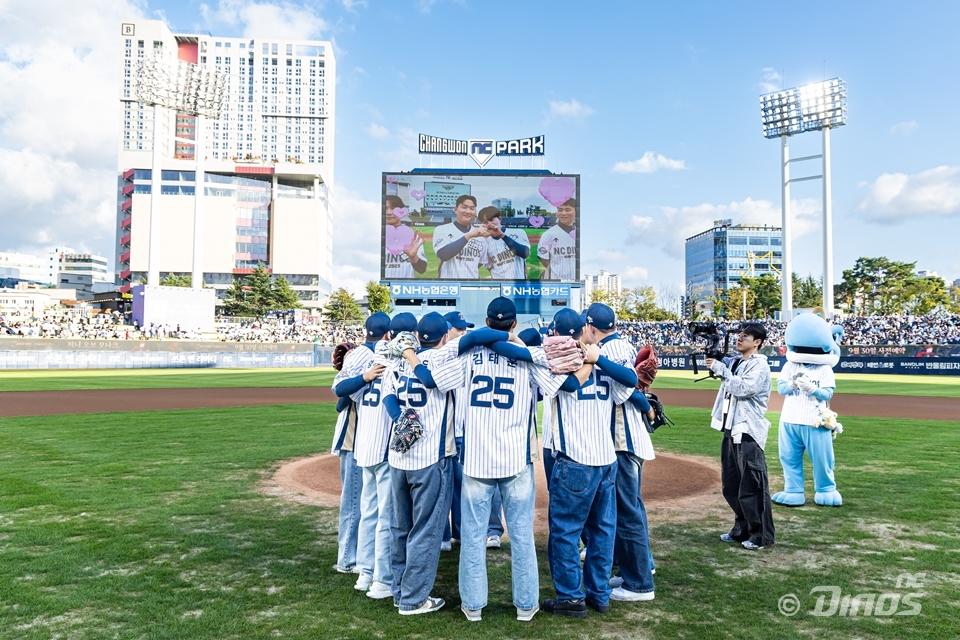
<point x="379" y="591"/>
<point x="622" y="595"/>
<point x="473" y="615"/>
<point x="363" y="582"/>
<point x="493" y="542"/>
<point x="429" y="605"/>
<point x="446" y="546"/>
<point x="526" y="615"/>
<point x="615" y="581"/>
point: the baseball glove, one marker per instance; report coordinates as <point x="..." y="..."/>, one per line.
<point x="646" y="366"/>
<point x="395" y="348"/>
<point x="407" y="431"/>
<point x="564" y="354"/>
<point x="340" y="353"/>
<point x="660" y="418"/>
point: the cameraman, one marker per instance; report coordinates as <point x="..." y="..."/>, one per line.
<point x="739" y="413"/>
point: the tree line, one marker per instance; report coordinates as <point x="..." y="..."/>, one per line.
<point x="874" y="286"/>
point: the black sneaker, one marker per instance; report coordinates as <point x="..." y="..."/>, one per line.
<point x="596" y="606"/>
<point x="568" y="608"/>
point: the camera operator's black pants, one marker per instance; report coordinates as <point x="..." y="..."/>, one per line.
<point x="743" y="474"/>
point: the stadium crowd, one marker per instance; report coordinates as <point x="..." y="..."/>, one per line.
<point x="76" y="324"/>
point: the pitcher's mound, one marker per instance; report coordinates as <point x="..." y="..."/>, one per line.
<point x="666" y="480"/>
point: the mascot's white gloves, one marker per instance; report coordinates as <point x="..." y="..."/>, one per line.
<point x="792" y="383"/>
<point x="806" y="385"/>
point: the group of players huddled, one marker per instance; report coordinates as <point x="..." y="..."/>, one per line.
<point x="429" y="412"/>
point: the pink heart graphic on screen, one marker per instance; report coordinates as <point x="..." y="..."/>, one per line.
<point x="535" y="221"/>
<point x="391" y="178"/>
<point x="398" y="238"/>
<point x="401" y="212"/>
<point x="417" y="194"/>
<point x="573" y="233"/>
<point x="556" y="191"/>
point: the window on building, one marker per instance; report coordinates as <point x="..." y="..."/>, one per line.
<point x="289" y="50"/>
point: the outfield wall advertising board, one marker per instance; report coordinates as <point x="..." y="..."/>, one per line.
<point x="475" y="227"/>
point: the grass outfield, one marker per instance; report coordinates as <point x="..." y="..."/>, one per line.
<point x="69" y="379"/>
<point x="150" y="525"/>
<point x="58" y="380"/>
<point x="866" y="383"/>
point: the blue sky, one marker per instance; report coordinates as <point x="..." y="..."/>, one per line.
<point x="655" y="105"/>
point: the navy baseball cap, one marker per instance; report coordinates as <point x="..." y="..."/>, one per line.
<point x="551" y="328"/>
<point x="601" y="317"/>
<point x="502" y="309"/>
<point x="431" y="327"/>
<point x="377" y="325"/>
<point x="457" y="321"/>
<point x="530" y="337"/>
<point x="403" y="322"/>
<point x="567" y="322"/>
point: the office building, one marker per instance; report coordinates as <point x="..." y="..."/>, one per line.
<point x="268" y="162"/>
<point x="719" y="257"/>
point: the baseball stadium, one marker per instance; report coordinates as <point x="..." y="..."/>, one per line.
<point x="443" y="399"/>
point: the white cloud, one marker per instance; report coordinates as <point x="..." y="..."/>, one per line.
<point x="350" y="5"/>
<point x="669" y="228"/>
<point x="649" y="163"/>
<point x="571" y="110"/>
<point x="904" y="128"/>
<point x="377" y="131"/>
<point x="59" y="122"/>
<point x="356" y="259"/>
<point x="266" y="19"/>
<point x="772" y="80"/>
<point x="633" y="275"/>
<point x="401" y="157"/>
<point x="894" y="197"/>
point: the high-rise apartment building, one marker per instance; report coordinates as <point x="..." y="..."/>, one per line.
<point x="718" y="258"/>
<point x="268" y="162"/>
<point x="603" y="281"/>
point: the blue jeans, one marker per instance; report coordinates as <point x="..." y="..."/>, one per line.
<point x="351" y="479"/>
<point x="519" y="495"/>
<point x="421" y="501"/>
<point x="373" y="537"/>
<point x="632" y="539"/>
<point x="452" y="528"/>
<point x="582" y="499"/>
<point x="548" y="461"/>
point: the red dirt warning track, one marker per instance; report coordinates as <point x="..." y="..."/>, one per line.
<point x="43" y="403"/>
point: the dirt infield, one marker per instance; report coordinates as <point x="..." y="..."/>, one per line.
<point x="667" y="480"/>
<point x="43" y="403"/>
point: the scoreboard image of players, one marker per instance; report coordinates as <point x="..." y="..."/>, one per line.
<point x="470" y="226"/>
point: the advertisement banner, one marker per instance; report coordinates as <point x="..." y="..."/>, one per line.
<point x="863" y="364"/>
<point x="469" y="226"/>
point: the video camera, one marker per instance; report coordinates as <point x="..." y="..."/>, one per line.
<point x="710" y="333"/>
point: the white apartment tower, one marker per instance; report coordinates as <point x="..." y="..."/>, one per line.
<point x="603" y="281"/>
<point x="268" y="162"/>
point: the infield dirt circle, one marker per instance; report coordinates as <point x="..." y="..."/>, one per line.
<point x="667" y="480"/>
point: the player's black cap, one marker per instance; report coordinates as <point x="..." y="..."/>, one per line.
<point x="502" y="309"/>
<point x="457" y="321"/>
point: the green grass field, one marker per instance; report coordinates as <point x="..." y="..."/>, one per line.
<point x="150" y="525"/>
<point x="23" y="380"/>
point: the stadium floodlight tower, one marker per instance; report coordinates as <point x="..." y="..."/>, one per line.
<point x="191" y="90"/>
<point x="820" y="106"/>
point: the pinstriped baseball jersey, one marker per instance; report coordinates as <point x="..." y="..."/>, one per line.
<point x="547" y="423"/>
<point x="435" y="409"/>
<point x="346" y="430"/>
<point x="800" y="407"/>
<point x="500" y="432"/>
<point x="464" y="265"/>
<point x="629" y="433"/>
<point x="500" y="259"/>
<point x="373" y="421"/>
<point x="581" y="420"/>
<point x="557" y="246"/>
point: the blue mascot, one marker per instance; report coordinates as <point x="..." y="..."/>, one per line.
<point x="806" y="422"/>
